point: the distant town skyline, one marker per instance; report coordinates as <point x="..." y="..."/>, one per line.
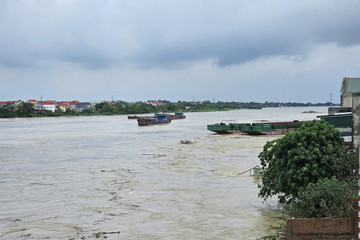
<point x="242" y="51"/>
<point x="150" y="101"/>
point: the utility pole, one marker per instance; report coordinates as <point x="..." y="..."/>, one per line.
<point x="330" y="99"/>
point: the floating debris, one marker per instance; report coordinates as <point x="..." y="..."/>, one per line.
<point x="108" y="170"/>
<point x="311" y="111"/>
<point x="154" y="155"/>
<point x="99" y="234"/>
<point x="186" y="142"/>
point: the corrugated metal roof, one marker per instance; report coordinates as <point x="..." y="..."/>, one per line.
<point x="353" y="85"/>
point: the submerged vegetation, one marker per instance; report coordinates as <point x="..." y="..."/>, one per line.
<point x="27" y="109"/>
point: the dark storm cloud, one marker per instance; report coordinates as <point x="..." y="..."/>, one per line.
<point x="87" y="48"/>
<point x="295" y="33"/>
<point x="100" y="34"/>
<point x="225" y="50"/>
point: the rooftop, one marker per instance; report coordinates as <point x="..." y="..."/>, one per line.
<point x="350" y="85"/>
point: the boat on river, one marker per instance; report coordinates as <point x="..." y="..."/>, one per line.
<point x="271" y="128"/>
<point x="159" y="119"/>
<point x="256" y="128"/>
<point x="139" y="117"/>
<point x="177" y="115"/>
<point x="226" y="126"/>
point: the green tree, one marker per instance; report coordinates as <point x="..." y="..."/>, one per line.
<point x="87" y="111"/>
<point x="107" y="108"/>
<point x="172" y="107"/>
<point x="99" y="106"/>
<point x="313" y="152"/>
<point x="25" y="109"/>
<point x="326" y="198"/>
<point x="7" y="112"/>
<point x="68" y="111"/>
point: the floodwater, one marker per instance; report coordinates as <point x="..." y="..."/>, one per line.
<point x="105" y="177"/>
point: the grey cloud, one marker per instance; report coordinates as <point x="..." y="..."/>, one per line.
<point x="226" y="50"/>
<point x="158" y="34"/>
<point x="295" y="33"/>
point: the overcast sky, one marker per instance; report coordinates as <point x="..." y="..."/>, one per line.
<point x="227" y="50"/>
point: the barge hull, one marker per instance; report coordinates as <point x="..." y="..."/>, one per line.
<point x="269" y="128"/>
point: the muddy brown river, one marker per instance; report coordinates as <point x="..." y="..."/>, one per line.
<point x="103" y="176"/>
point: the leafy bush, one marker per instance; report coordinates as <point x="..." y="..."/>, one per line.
<point x="312" y="153"/>
<point x="326" y="198"/>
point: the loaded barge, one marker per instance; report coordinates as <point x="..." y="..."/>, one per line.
<point x="177" y="115"/>
<point x="256" y="128"/>
<point x="159" y="119"/>
<point x="225" y="127"/>
<point x="271" y="128"/>
<point x="140" y="117"/>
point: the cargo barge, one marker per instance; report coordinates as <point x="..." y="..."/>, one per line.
<point x="257" y="128"/>
<point x="140" y="117"/>
<point x="177" y="115"/>
<point x="271" y="128"/>
<point x="159" y="119"/>
<point x="226" y="127"/>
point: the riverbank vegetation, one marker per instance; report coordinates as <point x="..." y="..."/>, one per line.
<point x="27" y="109"/>
<point x="311" y="172"/>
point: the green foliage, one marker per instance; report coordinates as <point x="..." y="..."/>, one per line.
<point x="87" y="111"/>
<point x="313" y="152"/>
<point x="22" y="110"/>
<point x="326" y="198"/>
<point x="7" y="112"/>
<point x="122" y="107"/>
<point x="173" y="107"/>
<point x="106" y="109"/>
<point x="25" y="109"/>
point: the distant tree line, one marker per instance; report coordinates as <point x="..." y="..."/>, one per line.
<point x="295" y="104"/>
<point x="26" y="109"/>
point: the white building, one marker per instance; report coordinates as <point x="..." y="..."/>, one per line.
<point x="49" y="105"/>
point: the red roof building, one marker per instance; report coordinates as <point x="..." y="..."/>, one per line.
<point x="33" y="101"/>
<point x="50" y="102"/>
<point x="156" y="103"/>
<point x="70" y="102"/>
<point x="3" y="103"/>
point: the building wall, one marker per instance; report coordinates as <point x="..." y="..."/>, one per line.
<point x="356" y="119"/>
<point x="333" y="110"/>
<point x="321" y="228"/>
<point x="63" y="108"/>
<point x="346" y="100"/>
<point x="48" y="107"/>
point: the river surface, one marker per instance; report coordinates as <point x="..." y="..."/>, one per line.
<point x="105" y="177"/>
